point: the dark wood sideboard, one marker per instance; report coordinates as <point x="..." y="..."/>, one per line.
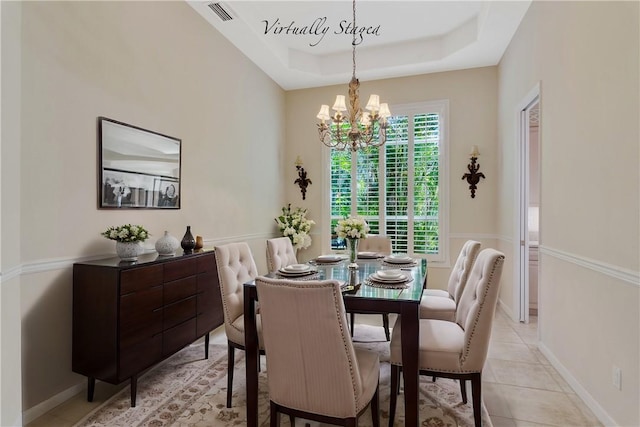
<point x="129" y="316"/>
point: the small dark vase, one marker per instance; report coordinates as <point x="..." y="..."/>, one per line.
<point x="188" y="242"/>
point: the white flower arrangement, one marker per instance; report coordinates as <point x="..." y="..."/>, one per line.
<point x="127" y="233"/>
<point x="352" y="228"/>
<point x="295" y="225"/>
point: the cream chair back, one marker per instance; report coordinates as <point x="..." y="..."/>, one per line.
<point x="236" y="266"/>
<point x="376" y="243"/>
<point x="311" y="362"/>
<point x="280" y="253"/>
<point x="477" y="307"/>
<point x="460" y="271"/>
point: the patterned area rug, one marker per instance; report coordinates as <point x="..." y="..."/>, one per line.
<point x="189" y="391"/>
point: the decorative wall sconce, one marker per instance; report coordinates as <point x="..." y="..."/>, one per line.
<point x="302" y="180"/>
<point x="473" y="177"/>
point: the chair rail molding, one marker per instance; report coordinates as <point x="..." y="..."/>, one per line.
<point x="44" y="265"/>
<point x="623" y="274"/>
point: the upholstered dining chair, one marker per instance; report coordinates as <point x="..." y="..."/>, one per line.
<point x="441" y="304"/>
<point x="382" y="245"/>
<point x="313" y="370"/>
<point x="280" y="253"/>
<point x="457" y="350"/>
<point x="236" y="266"/>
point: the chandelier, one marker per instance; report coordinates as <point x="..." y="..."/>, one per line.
<point x="351" y="128"/>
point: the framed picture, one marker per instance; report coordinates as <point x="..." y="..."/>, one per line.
<point x="138" y="168"/>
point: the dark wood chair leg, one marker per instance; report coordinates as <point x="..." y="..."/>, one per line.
<point x="375" y="407"/>
<point x="385" y="324"/>
<point x="463" y="391"/>
<point x="476" y="396"/>
<point x="292" y="420"/>
<point x="395" y="389"/>
<point x="230" y="361"/>
<point x="353" y="321"/>
<point x="351" y="422"/>
<point x="206" y="346"/>
<point x="275" y="415"/>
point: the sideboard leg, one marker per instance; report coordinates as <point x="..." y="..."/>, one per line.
<point x="134" y="390"/>
<point x="206" y="345"/>
<point x="91" y="386"/>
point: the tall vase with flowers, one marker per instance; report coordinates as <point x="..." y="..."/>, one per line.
<point x="128" y="239"/>
<point x="352" y="229"/>
<point x="294" y="224"/>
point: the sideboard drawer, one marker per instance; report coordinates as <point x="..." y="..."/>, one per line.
<point x="139" y="306"/>
<point x="179" y="312"/>
<point x="179" y="336"/>
<point x="137" y="358"/>
<point x="209" y="313"/>
<point x="140" y="278"/>
<point x="179" y="289"/>
<point x="179" y="270"/>
<point x="207" y="264"/>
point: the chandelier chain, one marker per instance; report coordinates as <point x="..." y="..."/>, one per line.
<point x="353" y="42"/>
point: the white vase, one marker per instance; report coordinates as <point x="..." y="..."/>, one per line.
<point x="129" y="251"/>
<point x="167" y="245"/>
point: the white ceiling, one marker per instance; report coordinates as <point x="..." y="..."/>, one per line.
<point x="408" y="37"/>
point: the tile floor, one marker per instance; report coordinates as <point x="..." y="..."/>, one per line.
<point x="520" y="387"/>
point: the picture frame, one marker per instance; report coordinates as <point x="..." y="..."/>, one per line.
<point x="137" y="168"/>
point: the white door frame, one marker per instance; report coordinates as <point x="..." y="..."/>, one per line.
<point x="521" y="247"/>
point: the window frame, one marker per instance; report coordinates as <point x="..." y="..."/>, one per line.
<point x="441" y="107"/>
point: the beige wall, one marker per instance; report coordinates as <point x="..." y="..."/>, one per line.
<point x="159" y="66"/>
<point x="10" y="246"/>
<point x="585" y="56"/>
<point x="473" y="115"/>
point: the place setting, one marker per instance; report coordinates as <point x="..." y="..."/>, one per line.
<point x="298" y="272"/>
<point x="399" y="260"/>
<point x="392" y="279"/>
<point x="369" y="255"/>
<point x="331" y="259"/>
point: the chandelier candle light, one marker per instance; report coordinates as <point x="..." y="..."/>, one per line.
<point x="357" y="129"/>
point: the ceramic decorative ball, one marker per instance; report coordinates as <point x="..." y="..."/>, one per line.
<point x="167" y="245"/>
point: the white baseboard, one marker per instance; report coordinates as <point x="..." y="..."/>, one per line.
<point x="583" y="394"/>
<point x="506" y="310"/>
<point x="43" y="407"/>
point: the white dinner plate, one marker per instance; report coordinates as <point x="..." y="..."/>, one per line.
<point x="368" y="255"/>
<point x="283" y="272"/>
<point x="296" y="268"/>
<point x="398" y="259"/>
<point x="329" y="258"/>
<point x="399" y="279"/>
<point x="389" y="274"/>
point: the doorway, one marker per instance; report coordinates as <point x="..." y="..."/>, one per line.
<point x="526" y="268"/>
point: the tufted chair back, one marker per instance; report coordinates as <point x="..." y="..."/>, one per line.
<point x="280" y="253"/>
<point x="312" y="365"/>
<point x="460" y="271"/>
<point x="477" y="307"/>
<point x="376" y="243"/>
<point x="236" y="266"/>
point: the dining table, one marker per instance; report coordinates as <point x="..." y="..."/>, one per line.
<point x="361" y="294"/>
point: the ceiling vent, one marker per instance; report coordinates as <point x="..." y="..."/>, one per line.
<point x="220" y="11"/>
